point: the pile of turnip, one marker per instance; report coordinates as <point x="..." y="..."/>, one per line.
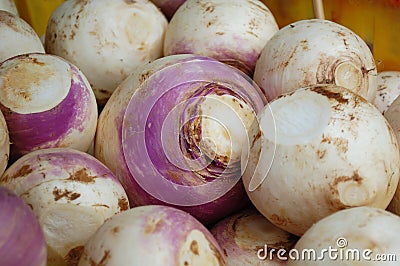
<point x="194" y="133"/>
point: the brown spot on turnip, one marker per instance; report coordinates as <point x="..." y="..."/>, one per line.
<point x="258" y="136"/>
<point x="210" y="23"/>
<point x="341" y="144"/>
<point x="355" y="177"/>
<point x="72" y="35"/>
<point x="123" y="204"/>
<point x="36" y="61"/>
<point x="144" y="76"/>
<point x="252" y="33"/>
<point x="194" y="247"/>
<point x="116" y="230"/>
<point x="23" y="171"/>
<point x="225" y="252"/>
<point x="321" y="154"/>
<point x="279" y="220"/>
<point x="337" y="96"/>
<point x="304" y="45"/>
<point x="174" y="177"/>
<point x="73" y="256"/>
<point x="152" y="225"/>
<point x="82" y="176"/>
<point x="209" y="7"/>
<point x="103" y="260"/>
<point x="340" y="34"/>
<point x="59" y="194"/>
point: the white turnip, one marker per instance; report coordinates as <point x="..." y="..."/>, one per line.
<point x="330" y="149"/>
<point x="106" y="39"/>
<point x="316" y="51"/>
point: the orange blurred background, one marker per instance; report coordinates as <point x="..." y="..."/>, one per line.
<point x="376" y="21"/>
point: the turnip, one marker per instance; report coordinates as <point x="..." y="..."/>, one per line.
<point x="17" y="36"/>
<point x="47" y="102"/>
<point x="106" y="39"/>
<point x="392" y="114"/>
<point x="388" y="89"/>
<point x="248" y="239"/>
<point x="71" y="194"/>
<point x="168" y="7"/>
<point x="233" y="32"/>
<point x="175" y="131"/>
<point x="356" y="236"/>
<point x="316" y="51"/>
<point x="152" y="235"/>
<point x="9" y="5"/>
<point x="4" y="144"/>
<point x="21" y="237"/>
<point x="330" y="150"/>
<point x="108" y="141"/>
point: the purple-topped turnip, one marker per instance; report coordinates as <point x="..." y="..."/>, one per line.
<point x="71" y="194"/>
<point x="21" y="238"/>
<point x="106" y="39"/>
<point x="330" y="150"/>
<point x="316" y="51"/>
<point x="175" y="131"/>
<point x="152" y="235"/>
<point x="247" y="238"/>
<point x="234" y="32"/>
<point x="47" y="102"/>
<point x="17" y="36"/>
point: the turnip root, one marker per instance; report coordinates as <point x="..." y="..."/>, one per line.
<point x="152" y="235"/>
<point x="71" y="194"/>
<point x="330" y="149"/>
